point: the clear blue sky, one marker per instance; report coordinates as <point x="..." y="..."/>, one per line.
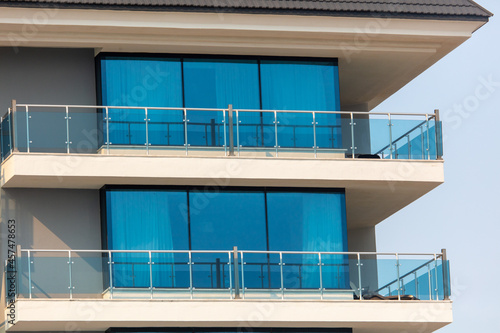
<point x="462" y="215"/>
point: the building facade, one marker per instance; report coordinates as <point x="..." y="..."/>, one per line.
<point x="206" y="166"/>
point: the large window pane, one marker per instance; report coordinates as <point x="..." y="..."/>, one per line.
<point x="148" y="82"/>
<point x="144" y="220"/>
<point x="218" y="83"/>
<point x="309" y="222"/>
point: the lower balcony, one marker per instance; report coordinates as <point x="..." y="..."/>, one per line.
<point x="381" y="292"/>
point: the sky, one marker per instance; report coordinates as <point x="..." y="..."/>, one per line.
<point x="462" y="215"/>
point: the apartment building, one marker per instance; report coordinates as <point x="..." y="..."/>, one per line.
<point x="213" y="166"/>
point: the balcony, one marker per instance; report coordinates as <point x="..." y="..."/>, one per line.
<point x="72" y="129"/>
<point x="378" y="291"/>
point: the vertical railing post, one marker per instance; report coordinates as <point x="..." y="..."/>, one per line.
<point x="13" y="131"/>
<point x="30" y="283"/>
<point x="353" y="147"/>
<point x="236" y="273"/>
<point x="436" y="289"/>
<point x="231" y="129"/>
<point x="360" y="289"/>
<point x="276" y="131"/>
<point x="110" y="256"/>
<point x="242" y="275"/>
<point x="391" y="148"/>
<point x="238" y="145"/>
<point x="438" y="133"/>
<point x="320" y="263"/>
<point x="430" y="281"/>
<point x="70" y="268"/>
<point x="314" y="134"/>
<point x="409" y="146"/>
<point x="146" y="119"/>
<point x="428" y="143"/>
<point x="186" y="130"/>
<point x="67" y="129"/>
<point x="422" y="142"/>
<point x="446" y="286"/>
<point x="28" y="141"/>
<point x="224" y="122"/>
<point x="416" y="283"/>
<point x="281" y="276"/>
<point x="230" y="275"/>
<point x="190" y="263"/>
<point x="399" y="281"/>
<point x="150" y="274"/>
<point x="107" y="137"/>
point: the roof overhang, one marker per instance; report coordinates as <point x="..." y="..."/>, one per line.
<point x="377" y="56"/>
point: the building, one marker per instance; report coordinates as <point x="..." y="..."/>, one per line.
<point x="212" y="166"/>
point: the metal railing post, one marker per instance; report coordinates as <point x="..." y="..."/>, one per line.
<point x="186" y="131"/>
<point x="353" y="147"/>
<point x="30" y="283"/>
<point x="438" y="133"/>
<point x="107" y="136"/>
<point x="276" y="131"/>
<point x="224" y="131"/>
<point x="28" y="141"/>
<point x="320" y="263"/>
<point x="70" y="268"/>
<point x="436" y="289"/>
<point x="236" y="274"/>
<point x="391" y="149"/>
<point x="446" y="287"/>
<point x="13" y="131"/>
<point x="146" y="119"/>
<point x="242" y="275"/>
<point x="151" y="274"/>
<point x="314" y="134"/>
<point x="110" y="274"/>
<point x="281" y="276"/>
<point x="428" y="143"/>
<point x="398" y="277"/>
<point x="190" y="263"/>
<point x="67" y="129"/>
<point x="238" y="132"/>
<point x="231" y="129"/>
<point x="230" y="275"/>
<point x="422" y="142"/>
<point x="360" y="289"/>
<point x="430" y="281"/>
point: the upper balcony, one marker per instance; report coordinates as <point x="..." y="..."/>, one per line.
<point x="384" y="161"/>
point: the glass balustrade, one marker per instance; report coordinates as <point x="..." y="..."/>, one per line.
<point x="67" y="274"/>
<point x="221" y="132"/>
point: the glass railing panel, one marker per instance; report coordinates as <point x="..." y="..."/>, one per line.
<point x="414" y="277"/>
<point x="354" y="275"/>
<point x="166" y="127"/>
<point x="301" y="271"/>
<point x="372" y="135"/>
<point x="335" y="271"/>
<point x="170" y="270"/>
<point x="411" y="138"/>
<point x="329" y="130"/>
<point x="83" y="130"/>
<point x="87" y="278"/>
<point x="130" y="270"/>
<point x="210" y="270"/>
<point x="5" y="136"/>
<point x="205" y="128"/>
<point x="47" y="130"/>
<point x="48" y="275"/>
<point x="295" y="130"/>
<point x="23" y="276"/>
<point x="127" y="127"/>
<point x="256" y="271"/>
<point x="379" y="274"/>
<point x="256" y="129"/>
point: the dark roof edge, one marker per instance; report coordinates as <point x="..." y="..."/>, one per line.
<point x="490" y="14"/>
<point x="300" y="12"/>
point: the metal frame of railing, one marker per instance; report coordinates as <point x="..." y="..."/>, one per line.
<point x="237" y="257"/>
<point x="228" y="115"/>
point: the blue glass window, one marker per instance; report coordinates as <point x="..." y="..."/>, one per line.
<point x="152" y="82"/>
<point x="145" y="220"/>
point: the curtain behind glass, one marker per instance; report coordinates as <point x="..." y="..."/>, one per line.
<point x="153" y="82"/>
<point x="300" y="85"/>
<point x="145" y="220"/>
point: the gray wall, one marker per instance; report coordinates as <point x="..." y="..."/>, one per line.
<point x="55" y="219"/>
<point x="50" y="76"/>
